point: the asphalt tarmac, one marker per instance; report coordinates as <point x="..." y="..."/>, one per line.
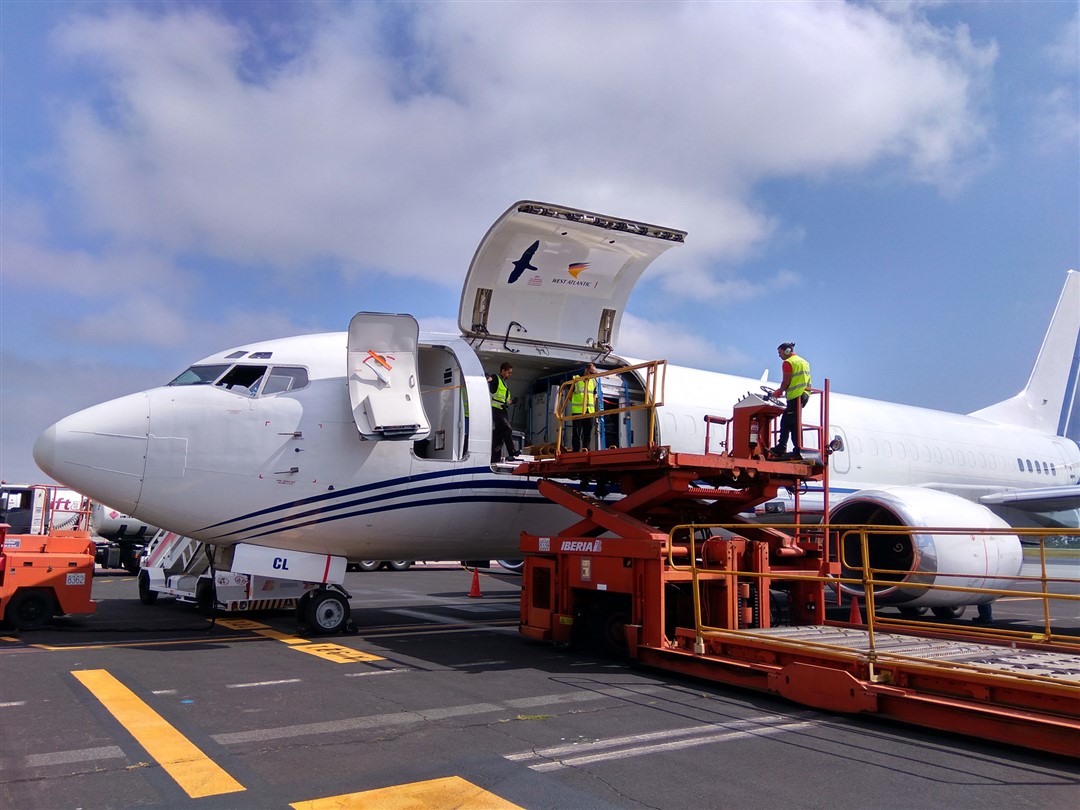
<point x="438" y="702"/>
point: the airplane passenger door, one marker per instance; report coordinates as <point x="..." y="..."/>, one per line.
<point x="840" y="461"/>
<point x="384" y="386"/>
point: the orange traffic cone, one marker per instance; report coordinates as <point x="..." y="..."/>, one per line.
<point x="474" y="591"/>
<point x="856" y="614"/>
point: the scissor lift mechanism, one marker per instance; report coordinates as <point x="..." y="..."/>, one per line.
<point x="707" y="606"/>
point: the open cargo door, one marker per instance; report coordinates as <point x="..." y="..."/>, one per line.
<point x="384" y="388"/>
<point x="556" y="276"/>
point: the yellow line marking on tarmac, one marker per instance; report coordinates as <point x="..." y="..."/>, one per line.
<point x="337" y="653"/>
<point x="195" y="772"/>
<point x="285" y="638"/>
<point x="331" y="652"/>
<point x="434" y="794"/>
<point x="108" y="644"/>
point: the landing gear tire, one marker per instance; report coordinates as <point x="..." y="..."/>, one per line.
<point x="29" y="610"/>
<point x="327" y="612"/>
<point x="912" y="612"/>
<point x="369" y="565"/>
<point x="146" y="596"/>
<point x="954" y="612"/>
<point x="514" y="566"/>
<point x="399" y="565"/>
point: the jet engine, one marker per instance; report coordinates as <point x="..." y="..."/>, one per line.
<point x="931" y="557"/>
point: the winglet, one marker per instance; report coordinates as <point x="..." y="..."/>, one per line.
<point x="1050" y="401"/>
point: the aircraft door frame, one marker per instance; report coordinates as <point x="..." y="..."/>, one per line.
<point x="840" y="462"/>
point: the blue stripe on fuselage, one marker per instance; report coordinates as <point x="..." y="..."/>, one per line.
<point x="399" y="486"/>
<point x="395" y="506"/>
<point x="1069" y="420"/>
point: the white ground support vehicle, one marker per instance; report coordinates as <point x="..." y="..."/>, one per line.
<point x="183" y="568"/>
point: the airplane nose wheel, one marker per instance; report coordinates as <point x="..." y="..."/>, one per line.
<point x="327" y="612"/>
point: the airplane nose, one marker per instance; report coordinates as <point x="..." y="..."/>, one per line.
<point x="100" y="452"/>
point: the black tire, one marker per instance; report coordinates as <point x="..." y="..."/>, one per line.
<point x="607" y="626"/>
<point x="514" y="566"/>
<point x="954" y="612"/>
<point x="399" y="565"/>
<point x="129" y="559"/>
<point x="369" y="565"/>
<point x="146" y="596"/>
<point x="327" y="612"/>
<point x="206" y="597"/>
<point x="912" y="612"/>
<point x="30" y="609"/>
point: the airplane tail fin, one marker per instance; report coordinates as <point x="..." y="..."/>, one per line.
<point x="1050" y="401"/>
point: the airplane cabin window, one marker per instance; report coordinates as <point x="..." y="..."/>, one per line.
<point x="200" y="375"/>
<point x="1046" y="470"/>
<point x="1020" y="464"/>
<point x="1053" y="468"/>
<point x="1028" y="460"/>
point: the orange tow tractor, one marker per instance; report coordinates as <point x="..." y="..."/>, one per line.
<point x="48" y="574"/>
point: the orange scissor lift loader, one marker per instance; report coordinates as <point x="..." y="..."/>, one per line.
<point x="47" y="574"/>
<point x="650" y="576"/>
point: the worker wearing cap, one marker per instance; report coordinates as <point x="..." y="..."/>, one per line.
<point x="796" y="388"/>
<point x="583" y="401"/>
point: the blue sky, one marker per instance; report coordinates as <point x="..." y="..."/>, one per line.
<point x="893" y="186"/>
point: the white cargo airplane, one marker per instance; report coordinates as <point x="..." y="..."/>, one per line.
<point x="296" y="455"/>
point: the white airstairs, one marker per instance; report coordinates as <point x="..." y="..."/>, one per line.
<point x="178" y="566"/>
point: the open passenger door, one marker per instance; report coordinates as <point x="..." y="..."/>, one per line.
<point x="384" y="387"/>
<point x="555" y="276"/>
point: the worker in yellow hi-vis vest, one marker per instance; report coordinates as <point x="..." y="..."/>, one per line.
<point x="583" y="401"/>
<point x="502" y="435"/>
<point x="796" y="387"/>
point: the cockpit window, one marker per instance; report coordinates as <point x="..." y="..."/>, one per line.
<point x="247" y="380"/>
<point x="200" y="375"/>
<point x="285" y="378"/>
<point x="243" y="379"/>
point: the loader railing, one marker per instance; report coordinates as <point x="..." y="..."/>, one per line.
<point x="653" y="375"/>
<point x="859" y="579"/>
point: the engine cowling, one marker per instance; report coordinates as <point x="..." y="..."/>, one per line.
<point x="968" y="560"/>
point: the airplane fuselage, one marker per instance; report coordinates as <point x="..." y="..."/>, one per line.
<point x="290" y="470"/>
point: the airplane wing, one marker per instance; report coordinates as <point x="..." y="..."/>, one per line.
<point x="1041" y="499"/>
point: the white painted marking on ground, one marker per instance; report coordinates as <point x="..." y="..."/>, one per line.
<point x="12" y="703"/>
<point x="434" y="617"/>
<point x="163" y="691"/>
<point x="79" y="755"/>
<point x="261" y="683"/>
<point x="376" y="672"/>
<point x="481" y="663"/>
<point x="653" y="742"/>
<point x="403" y="718"/>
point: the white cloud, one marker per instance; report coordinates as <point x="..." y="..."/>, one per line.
<point x="639" y="337"/>
<point x="382" y="160"/>
<point x="1056" y="123"/>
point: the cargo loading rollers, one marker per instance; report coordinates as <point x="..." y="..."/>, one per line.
<point x="675" y="576"/>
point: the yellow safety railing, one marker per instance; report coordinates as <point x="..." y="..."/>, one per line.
<point x="861" y="576"/>
<point x="653" y="375"/>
